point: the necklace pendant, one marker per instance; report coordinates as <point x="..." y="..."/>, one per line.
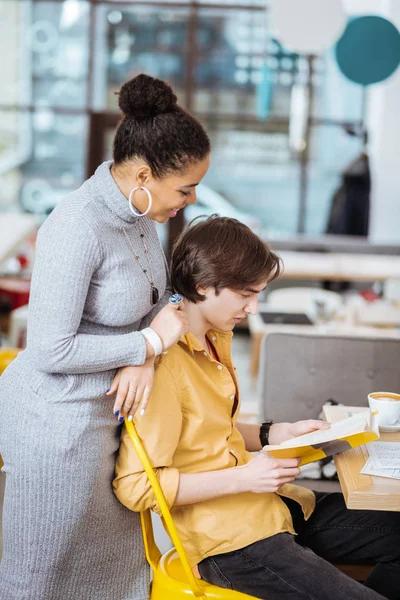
<point x="154" y="295"/>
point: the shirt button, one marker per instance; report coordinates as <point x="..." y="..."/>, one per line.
<point x="205" y="353"/>
<point x="213" y="338"/>
<point x="231" y="397"/>
<point x="220" y="367"/>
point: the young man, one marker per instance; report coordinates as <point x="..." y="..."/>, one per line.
<point x="242" y="523"/>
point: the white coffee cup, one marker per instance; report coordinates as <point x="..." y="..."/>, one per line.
<point x="388" y="406"/>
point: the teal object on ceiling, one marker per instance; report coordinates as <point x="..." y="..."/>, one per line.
<point x="369" y="50"/>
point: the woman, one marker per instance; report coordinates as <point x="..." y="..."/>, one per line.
<point x="99" y="281"/>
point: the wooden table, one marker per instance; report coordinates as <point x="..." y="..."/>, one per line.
<point x="15" y="228"/>
<point x="333" y="266"/>
<point x="363" y="491"/>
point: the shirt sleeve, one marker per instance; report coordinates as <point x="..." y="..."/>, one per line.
<point x="67" y="255"/>
<point x="159" y="430"/>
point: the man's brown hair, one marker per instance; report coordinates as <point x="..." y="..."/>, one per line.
<point x="220" y="252"/>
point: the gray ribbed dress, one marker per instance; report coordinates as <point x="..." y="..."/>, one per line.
<point x="66" y="537"/>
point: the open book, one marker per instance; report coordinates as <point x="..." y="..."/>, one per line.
<point x="354" y="431"/>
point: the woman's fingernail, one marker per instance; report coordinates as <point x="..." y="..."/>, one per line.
<point x="142" y="411"/>
<point x="121" y="419"/>
<point x="108" y="391"/>
<point x="130" y="418"/>
<point x="116" y="413"/>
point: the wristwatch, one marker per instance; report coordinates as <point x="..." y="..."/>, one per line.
<point x="264" y="432"/>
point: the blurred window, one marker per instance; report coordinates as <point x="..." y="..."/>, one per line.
<point x="67" y="58"/>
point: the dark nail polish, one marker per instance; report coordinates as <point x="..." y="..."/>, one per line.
<point x="116" y="413"/>
<point x="121" y="419"/>
<point x="108" y="390"/>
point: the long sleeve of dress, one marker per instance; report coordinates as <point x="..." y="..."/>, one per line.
<point x="67" y="256"/>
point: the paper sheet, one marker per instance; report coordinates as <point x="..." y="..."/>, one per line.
<point x="369" y="469"/>
<point x="384" y="455"/>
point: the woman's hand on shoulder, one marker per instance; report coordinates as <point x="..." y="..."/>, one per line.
<point x="133" y="387"/>
<point x="170" y="324"/>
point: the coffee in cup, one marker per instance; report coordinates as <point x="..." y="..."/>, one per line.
<point x="388" y="406"/>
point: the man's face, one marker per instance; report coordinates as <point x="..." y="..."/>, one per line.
<point x="229" y="307"/>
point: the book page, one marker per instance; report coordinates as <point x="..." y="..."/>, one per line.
<point x="350" y="426"/>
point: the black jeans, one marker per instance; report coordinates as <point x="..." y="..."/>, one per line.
<point x="288" y="567"/>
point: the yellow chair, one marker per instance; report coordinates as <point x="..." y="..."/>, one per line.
<point x="7" y="355"/>
<point x="173" y="577"/>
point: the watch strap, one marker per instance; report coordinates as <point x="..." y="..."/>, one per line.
<point x="264" y="432"/>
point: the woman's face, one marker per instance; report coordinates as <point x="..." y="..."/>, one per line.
<point x="171" y="193"/>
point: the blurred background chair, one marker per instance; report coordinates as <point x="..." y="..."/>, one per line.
<point x="299" y="372"/>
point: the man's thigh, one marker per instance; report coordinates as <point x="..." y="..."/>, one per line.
<point x="279" y="567"/>
<point x="341" y="535"/>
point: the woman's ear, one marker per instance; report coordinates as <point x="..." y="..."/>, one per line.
<point x="144" y="175"/>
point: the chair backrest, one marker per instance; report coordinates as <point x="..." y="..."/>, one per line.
<point x="153" y="554"/>
<point x="299" y="372"/>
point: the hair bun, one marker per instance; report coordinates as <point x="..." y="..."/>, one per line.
<point x="145" y="96"/>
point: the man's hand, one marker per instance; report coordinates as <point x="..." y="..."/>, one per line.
<point x="280" y="432"/>
<point x="266" y="474"/>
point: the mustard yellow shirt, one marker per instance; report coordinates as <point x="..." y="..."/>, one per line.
<point x="190" y="427"/>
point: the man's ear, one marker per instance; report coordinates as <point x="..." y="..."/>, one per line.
<point x="202" y="290"/>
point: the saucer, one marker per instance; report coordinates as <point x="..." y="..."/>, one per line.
<point x="389" y="428"/>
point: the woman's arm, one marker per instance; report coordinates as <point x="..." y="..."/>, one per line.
<point x="67" y="255"/>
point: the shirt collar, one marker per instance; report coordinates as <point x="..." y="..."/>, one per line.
<point x="194" y="345"/>
<point x="111" y="194"/>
